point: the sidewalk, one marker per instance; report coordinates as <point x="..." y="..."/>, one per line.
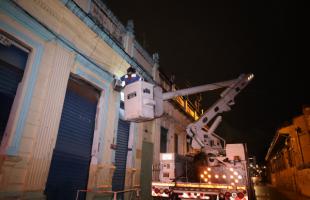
<point x="292" y="195"/>
<point x="269" y="192"/>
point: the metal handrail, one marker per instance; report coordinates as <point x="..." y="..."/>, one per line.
<point x="137" y="190"/>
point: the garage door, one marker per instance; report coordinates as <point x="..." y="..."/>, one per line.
<point x="12" y="64"/>
<point x="118" y="182"/>
<point x="71" y="157"/>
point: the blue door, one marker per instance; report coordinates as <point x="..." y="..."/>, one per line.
<point x="118" y="181"/>
<point x="12" y="64"/>
<point x="71" y="157"/>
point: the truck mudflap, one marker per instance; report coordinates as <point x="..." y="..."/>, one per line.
<point x="187" y="191"/>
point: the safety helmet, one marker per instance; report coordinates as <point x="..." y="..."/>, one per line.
<point x="131" y="70"/>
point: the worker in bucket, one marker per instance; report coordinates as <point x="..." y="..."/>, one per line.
<point x="130" y="77"/>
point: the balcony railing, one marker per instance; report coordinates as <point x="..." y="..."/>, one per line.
<point x="187" y="107"/>
<point x="185" y="104"/>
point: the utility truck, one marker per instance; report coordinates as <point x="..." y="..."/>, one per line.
<point x="217" y="171"/>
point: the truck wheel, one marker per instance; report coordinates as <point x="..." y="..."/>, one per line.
<point x="175" y="197"/>
<point x="213" y="197"/>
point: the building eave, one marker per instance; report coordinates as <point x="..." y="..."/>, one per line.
<point x="279" y="138"/>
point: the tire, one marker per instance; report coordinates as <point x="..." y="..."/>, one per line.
<point x="175" y="197"/>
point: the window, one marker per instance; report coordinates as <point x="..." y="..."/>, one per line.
<point x="131" y="95"/>
<point x="176" y="143"/>
<point x="188" y="142"/>
<point x="146" y="90"/>
<point x="163" y="140"/>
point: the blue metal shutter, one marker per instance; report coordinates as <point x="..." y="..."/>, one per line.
<point x="118" y="182"/>
<point x="12" y="64"/>
<point x="71" y="157"/>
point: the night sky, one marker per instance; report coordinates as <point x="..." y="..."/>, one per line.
<point x="203" y="42"/>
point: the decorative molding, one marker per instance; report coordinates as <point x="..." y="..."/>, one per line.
<point x="32" y="69"/>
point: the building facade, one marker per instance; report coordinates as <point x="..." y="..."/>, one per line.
<point x="62" y="126"/>
<point x="288" y="156"/>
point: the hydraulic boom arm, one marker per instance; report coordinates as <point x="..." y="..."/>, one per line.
<point x="203" y="138"/>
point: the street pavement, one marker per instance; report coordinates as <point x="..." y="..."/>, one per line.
<point x="267" y="192"/>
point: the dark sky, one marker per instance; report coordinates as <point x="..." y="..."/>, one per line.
<point x="209" y="41"/>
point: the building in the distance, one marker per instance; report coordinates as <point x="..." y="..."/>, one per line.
<point x="288" y="156"/>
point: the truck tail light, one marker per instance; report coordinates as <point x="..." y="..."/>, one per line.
<point x="156" y="190"/>
<point x="240" y="195"/>
<point x="221" y="196"/>
<point x="227" y="194"/>
<point x="166" y="191"/>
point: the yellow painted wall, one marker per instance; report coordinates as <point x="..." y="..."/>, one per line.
<point x="303" y="181"/>
<point x="297" y="177"/>
<point x="304" y="137"/>
<point x="293" y="180"/>
<point x="63" y="22"/>
<point x="29" y="169"/>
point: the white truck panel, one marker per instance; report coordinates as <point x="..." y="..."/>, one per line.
<point x="167" y="167"/>
<point x="233" y="150"/>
